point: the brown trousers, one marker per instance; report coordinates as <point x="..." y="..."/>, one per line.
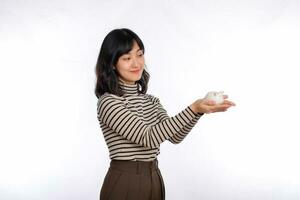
<point x="133" y="180"/>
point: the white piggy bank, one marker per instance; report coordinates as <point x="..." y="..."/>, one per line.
<point x="215" y="96"/>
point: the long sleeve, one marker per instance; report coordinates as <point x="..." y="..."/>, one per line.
<point x="179" y="136"/>
<point x="112" y="112"/>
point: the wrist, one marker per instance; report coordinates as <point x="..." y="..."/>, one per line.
<point x="194" y="109"/>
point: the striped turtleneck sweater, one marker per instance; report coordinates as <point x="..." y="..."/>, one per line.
<point x="134" y="125"/>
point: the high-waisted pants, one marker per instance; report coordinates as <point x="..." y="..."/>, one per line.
<point x="133" y="180"/>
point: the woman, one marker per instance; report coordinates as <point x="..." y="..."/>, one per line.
<point x="134" y="123"/>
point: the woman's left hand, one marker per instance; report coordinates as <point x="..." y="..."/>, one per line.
<point x="209" y="106"/>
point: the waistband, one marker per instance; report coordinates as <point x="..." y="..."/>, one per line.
<point x="134" y="167"/>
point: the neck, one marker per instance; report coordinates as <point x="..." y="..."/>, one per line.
<point x="131" y="89"/>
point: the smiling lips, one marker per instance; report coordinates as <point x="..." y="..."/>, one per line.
<point x="136" y="71"/>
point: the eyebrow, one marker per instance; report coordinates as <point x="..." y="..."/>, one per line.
<point x="136" y="50"/>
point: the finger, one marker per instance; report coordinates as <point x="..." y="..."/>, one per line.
<point x="219" y="110"/>
<point x="232" y="103"/>
<point x="221" y="107"/>
<point x="222" y="110"/>
<point x="229" y="103"/>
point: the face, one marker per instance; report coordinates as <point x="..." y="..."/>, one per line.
<point x="130" y="66"/>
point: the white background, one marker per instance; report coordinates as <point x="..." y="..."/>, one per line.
<point x="51" y="145"/>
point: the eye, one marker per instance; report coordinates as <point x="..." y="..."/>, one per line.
<point x="126" y="58"/>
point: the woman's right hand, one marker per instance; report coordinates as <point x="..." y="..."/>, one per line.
<point x="208" y="106"/>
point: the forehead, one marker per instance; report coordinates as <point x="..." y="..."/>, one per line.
<point x="135" y="47"/>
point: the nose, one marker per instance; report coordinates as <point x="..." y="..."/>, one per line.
<point x="136" y="63"/>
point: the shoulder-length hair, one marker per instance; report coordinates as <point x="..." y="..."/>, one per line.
<point x="115" y="44"/>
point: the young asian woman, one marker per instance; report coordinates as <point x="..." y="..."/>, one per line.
<point x="135" y="123"/>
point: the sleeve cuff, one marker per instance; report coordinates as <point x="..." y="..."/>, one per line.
<point x="195" y="114"/>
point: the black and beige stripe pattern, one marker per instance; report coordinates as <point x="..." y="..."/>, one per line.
<point x="135" y="124"/>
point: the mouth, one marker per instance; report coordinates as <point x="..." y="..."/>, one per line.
<point x="136" y="71"/>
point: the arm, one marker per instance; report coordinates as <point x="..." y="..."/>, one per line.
<point x="178" y="137"/>
<point x="112" y="112"/>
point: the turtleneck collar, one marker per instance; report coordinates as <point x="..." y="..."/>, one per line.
<point x="129" y="89"/>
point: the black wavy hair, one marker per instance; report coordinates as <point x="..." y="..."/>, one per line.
<point x="115" y="44"/>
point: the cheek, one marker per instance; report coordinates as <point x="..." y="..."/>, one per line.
<point x="121" y="66"/>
